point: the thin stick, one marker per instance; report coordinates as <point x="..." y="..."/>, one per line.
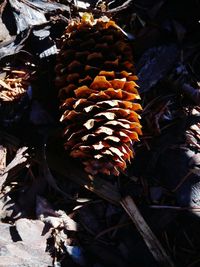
<point x="150" y="239"/>
<point x="195" y="208"/>
<point x="3" y="152"/>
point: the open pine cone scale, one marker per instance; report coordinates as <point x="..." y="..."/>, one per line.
<point x="97" y="90"/>
<point x="16" y="77"/>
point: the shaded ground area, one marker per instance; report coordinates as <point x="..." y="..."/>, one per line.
<point x="51" y="213"/>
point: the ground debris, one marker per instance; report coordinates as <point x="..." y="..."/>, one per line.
<point x="51" y="212"/>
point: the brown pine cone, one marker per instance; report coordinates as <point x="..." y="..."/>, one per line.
<point x="14" y="83"/>
<point x="97" y="89"/>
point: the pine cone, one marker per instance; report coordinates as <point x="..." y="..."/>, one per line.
<point x="14" y="83"/>
<point x="97" y="90"/>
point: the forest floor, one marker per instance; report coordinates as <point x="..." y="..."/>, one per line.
<point x="51" y="213"/>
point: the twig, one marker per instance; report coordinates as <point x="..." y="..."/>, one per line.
<point x="107" y="12"/>
<point x="115" y="227"/>
<point x="193" y="264"/>
<point x="122" y="7"/>
<point x="3" y="152"/>
<point x="197" y="209"/>
<point x="182" y="181"/>
<point x="150" y="239"/>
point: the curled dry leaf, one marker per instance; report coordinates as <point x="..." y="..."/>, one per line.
<point x="31" y="13"/>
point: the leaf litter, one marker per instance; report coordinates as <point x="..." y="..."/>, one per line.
<point x="52" y="213"/>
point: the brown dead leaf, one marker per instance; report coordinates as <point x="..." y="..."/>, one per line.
<point x="24" y="245"/>
<point x="20" y="160"/>
<point x="54" y="218"/>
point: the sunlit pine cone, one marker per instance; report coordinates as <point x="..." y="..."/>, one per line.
<point x="97" y="90"/>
